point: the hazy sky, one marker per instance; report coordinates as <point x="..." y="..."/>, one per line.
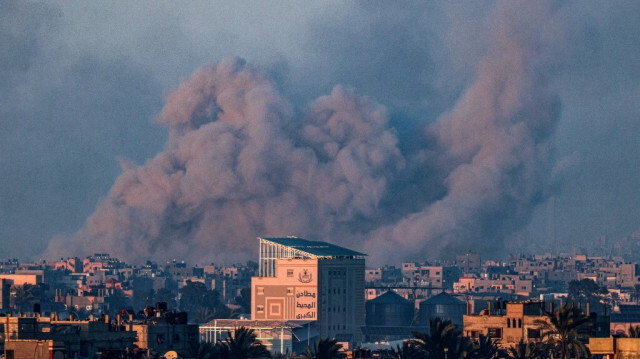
<point x="83" y="83"/>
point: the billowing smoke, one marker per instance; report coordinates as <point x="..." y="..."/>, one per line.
<point x="494" y="146"/>
<point x="241" y="162"/>
<point x="237" y="165"/>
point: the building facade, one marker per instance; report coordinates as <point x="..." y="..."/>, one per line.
<point x="310" y="281"/>
<point x="509" y="325"/>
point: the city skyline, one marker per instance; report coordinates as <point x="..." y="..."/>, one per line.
<point x="421" y="131"/>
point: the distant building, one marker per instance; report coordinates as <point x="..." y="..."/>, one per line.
<point x="628" y="316"/>
<point x="610" y="348"/>
<point x="507" y="326"/>
<point x="389" y="318"/>
<point x="164" y="331"/>
<point x="39" y="337"/>
<point x="22" y="279"/>
<point x="469" y="262"/>
<point x="5" y="294"/>
<point x="278" y="336"/>
<point x="444" y="306"/>
<point x="307" y="280"/>
<point x="389" y="309"/>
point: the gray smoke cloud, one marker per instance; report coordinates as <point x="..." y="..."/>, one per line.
<point x="495" y="145"/>
<point x="241" y="162"/>
<point x="456" y="142"/>
<point x="231" y="170"/>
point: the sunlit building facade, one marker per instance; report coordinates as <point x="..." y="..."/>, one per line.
<point x="310" y="281"/>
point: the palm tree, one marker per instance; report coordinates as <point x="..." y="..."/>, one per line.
<point x="561" y="331"/>
<point x="460" y="348"/>
<point x="633" y="332"/>
<point x="485" y="348"/>
<point x="442" y="337"/>
<point x="524" y="350"/>
<point x="26" y="293"/>
<point x="207" y="351"/>
<point x="405" y="351"/>
<point x="241" y="345"/>
<point x="326" y="348"/>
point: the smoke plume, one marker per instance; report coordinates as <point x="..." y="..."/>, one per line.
<point x="242" y="162"/>
<point x="494" y="146"/>
<point x="232" y="170"/>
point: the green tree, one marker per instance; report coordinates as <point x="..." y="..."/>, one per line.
<point x="208" y="351"/>
<point x="244" y="300"/>
<point x="25" y="294"/>
<point x="241" y="344"/>
<point x="142" y="298"/>
<point x="117" y="301"/>
<point x="202" y="304"/>
<point x="326" y="348"/>
<point x="459" y="348"/>
<point x="443" y="337"/>
<point x="585" y="290"/>
<point x="485" y="348"/>
<point x="633" y="332"/>
<point x="405" y="351"/>
<point x="167" y="296"/>
<point x="524" y="350"/>
<point x="561" y="332"/>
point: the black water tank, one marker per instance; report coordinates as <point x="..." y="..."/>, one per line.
<point x="443" y="306"/>
<point x="389" y="310"/>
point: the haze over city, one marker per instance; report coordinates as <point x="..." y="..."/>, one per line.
<point x="405" y="131"/>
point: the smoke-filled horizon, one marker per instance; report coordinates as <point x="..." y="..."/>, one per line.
<point x="240" y="163"/>
<point x="406" y="132"/>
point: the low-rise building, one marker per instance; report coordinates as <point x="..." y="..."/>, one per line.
<point x="278" y="336"/>
<point x="507" y="326"/>
<point x="24" y="336"/>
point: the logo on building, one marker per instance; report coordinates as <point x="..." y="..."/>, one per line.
<point x="305" y="276"/>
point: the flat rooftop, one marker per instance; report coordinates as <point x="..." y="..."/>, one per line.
<point x="314" y="248"/>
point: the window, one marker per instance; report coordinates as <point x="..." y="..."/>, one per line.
<point x="508" y="323"/>
<point x="495" y="333"/>
<point x="275" y="309"/>
<point x="260" y="308"/>
<point x="519" y="323"/>
<point x="533" y="333"/>
<point x="289" y="272"/>
<point x="260" y="290"/>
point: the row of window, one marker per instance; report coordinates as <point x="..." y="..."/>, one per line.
<point x="496" y="333"/>
<point x="511" y="323"/>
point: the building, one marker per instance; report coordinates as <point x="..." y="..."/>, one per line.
<point x="164" y="331"/>
<point x="5" y="294"/>
<point x="39" y="337"/>
<point x="390" y="317"/>
<point x="34" y="349"/>
<point x="628" y="316"/>
<point x="609" y="348"/>
<point x="22" y="279"/>
<point x="389" y="309"/>
<point x="508" y="325"/>
<point x="442" y="306"/>
<point x="280" y="337"/>
<point x="310" y="281"/>
<point x="469" y="262"/>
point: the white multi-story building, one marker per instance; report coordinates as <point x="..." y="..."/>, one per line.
<point x="310" y="281"/>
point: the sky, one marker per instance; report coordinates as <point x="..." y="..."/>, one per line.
<point x="407" y="131"/>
